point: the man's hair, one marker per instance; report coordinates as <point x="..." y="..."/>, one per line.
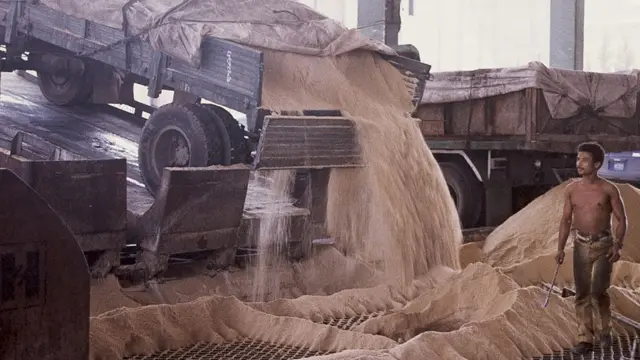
<point x="596" y="150"/>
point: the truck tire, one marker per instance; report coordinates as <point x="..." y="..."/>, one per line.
<point x="237" y="140"/>
<point x="66" y="90"/>
<point x="466" y="190"/>
<point x="180" y="135"/>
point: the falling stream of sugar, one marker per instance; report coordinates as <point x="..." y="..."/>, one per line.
<point x="273" y="236"/>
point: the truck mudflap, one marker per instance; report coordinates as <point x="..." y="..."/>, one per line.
<point x="43" y="277"/>
<point x="89" y="195"/>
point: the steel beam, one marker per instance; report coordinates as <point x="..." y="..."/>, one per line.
<point x="380" y="20"/>
<point x="566" y="45"/>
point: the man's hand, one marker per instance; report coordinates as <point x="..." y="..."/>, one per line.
<point x="560" y="257"/>
<point x="614" y="253"/>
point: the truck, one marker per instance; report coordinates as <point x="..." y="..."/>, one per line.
<point x="194" y="158"/>
<point x="504" y="136"/>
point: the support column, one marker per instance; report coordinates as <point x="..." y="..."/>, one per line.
<point x="566" y="45"/>
<point x="380" y="20"/>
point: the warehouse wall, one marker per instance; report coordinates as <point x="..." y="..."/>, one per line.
<point x="468" y="34"/>
<point x="457" y="34"/>
<point x="612" y="29"/>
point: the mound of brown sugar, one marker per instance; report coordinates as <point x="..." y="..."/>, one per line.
<point x="528" y="233"/>
<point x="479" y="313"/>
<point x="533" y="231"/>
<point x="148" y="329"/>
<point x="326" y="272"/>
<point x="631" y="198"/>
<point x="397" y="223"/>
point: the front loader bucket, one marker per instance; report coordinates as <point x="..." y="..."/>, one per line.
<point x="44" y="279"/>
<point x="89" y="195"/>
<point x="196" y="209"/>
<point x="307" y="142"/>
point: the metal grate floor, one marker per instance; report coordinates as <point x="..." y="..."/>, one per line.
<point x="249" y="349"/>
<point x="350" y="323"/>
<point x="623" y="348"/>
<point x="246" y="349"/>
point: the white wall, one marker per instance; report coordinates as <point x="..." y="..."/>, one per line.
<point x="612" y="35"/>
<point x="464" y="34"/>
<point x="469" y="34"/>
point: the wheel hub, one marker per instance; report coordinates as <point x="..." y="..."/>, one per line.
<point x="59" y="80"/>
<point x="171" y="150"/>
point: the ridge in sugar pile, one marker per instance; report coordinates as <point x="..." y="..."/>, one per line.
<point x="531" y="231"/>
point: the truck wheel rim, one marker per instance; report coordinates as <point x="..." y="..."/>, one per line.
<point x="171" y="149"/>
<point x="59" y="80"/>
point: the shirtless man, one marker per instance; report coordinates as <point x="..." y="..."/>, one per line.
<point x="588" y="205"/>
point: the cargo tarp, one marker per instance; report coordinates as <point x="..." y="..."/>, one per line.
<point x="566" y="91"/>
<point x="177" y="27"/>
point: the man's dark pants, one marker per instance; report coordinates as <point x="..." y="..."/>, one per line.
<point x="592" y="276"/>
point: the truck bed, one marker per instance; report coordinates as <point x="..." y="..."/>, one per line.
<point x="93" y="131"/>
<point x="531" y="108"/>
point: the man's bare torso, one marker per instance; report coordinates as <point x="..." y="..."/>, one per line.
<point x="591" y="204"/>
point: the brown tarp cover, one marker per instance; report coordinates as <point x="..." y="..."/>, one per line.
<point x="566" y="91"/>
<point x="177" y="27"/>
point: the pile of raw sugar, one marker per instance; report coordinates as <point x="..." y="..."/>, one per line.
<point x="399" y="293"/>
<point x="481" y="312"/>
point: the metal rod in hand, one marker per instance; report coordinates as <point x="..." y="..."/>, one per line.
<point x="553" y="283"/>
